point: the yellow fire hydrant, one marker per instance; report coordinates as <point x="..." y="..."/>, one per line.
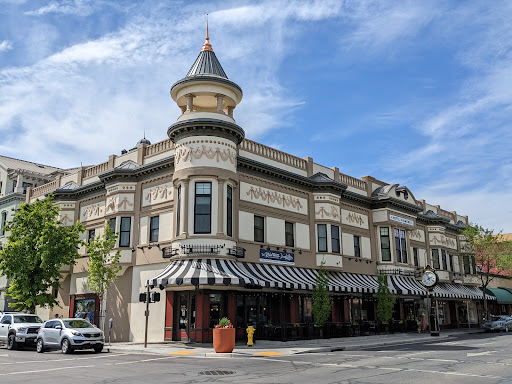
<point x="250" y="335"/>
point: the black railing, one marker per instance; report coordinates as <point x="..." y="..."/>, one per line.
<point x="201" y="249"/>
<point x="237" y="252"/>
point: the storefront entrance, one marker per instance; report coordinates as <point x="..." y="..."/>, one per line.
<point x="185" y="315"/>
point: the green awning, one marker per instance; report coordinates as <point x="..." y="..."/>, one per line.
<point x="502" y="295"/>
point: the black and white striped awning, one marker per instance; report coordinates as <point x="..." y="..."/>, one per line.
<point x="409" y="286"/>
<point x="406" y="285"/>
<point x="228" y="272"/>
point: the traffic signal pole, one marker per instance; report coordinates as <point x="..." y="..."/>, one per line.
<point x="147" y="318"/>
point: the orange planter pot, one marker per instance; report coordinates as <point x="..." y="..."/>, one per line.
<point x="224" y="340"/>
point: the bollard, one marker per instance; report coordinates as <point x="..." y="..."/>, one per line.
<point x="250" y="335"/>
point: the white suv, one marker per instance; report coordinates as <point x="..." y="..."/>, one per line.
<point x="68" y="335"/>
<point x="18" y="329"/>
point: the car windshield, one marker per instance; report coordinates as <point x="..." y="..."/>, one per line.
<point x="27" y="319"/>
<point x="77" y="324"/>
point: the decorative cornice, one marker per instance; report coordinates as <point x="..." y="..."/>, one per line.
<point x="206" y="78"/>
<point x="18" y="197"/>
<point x="197" y="127"/>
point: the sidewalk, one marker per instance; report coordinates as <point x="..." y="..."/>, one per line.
<point x="276" y="348"/>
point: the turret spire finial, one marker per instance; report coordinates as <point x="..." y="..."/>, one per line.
<point x="207" y="46"/>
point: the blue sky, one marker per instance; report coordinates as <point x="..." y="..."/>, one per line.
<point x="412" y="92"/>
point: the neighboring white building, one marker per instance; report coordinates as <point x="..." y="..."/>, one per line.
<point x="16" y="176"/>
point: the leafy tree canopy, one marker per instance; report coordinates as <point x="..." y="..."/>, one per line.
<point x="385" y="300"/>
<point x="103" y="265"/>
<point x="322" y="301"/>
<point x="37" y="247"/>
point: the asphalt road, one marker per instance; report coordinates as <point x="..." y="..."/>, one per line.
<point x="469" y="359"/>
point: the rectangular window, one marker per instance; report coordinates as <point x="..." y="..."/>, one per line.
<point x="385" y="245"/>
<point x="467" y="268"/>
<point x="229" y="211"/>
<point x="335" y="239"/>
<point x="288" y="234"/>
<point x="435" y="258"/>
<point x="357" y="246"/>
<point x="415" y="257"/>
<point x="450" y="261"/>
<point x="154" y="227"/>
<point x="322" y="237"/>
<point x="443" y="259"/>
<point x="203" y="208"/>
<point x="473" y="263"/>
<point x="25" y="186"/>
<point x="90" y="235"/>
<point x="403" y="244"/>
<point x="178" y="213"/>
<point x="112" y="225"/>
<point x="4" y="222"/>
<point x="259" y="229"/>
<point x="124" y="233"/>
<point x="400" y="246"/>
<point x="398" y="252"/>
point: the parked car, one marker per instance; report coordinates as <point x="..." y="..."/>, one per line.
<point x="69" y="335"/>
<point x="498" y="324"/>
<point x="18" y="329"/>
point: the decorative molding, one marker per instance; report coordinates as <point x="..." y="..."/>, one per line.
<point x="111" y="204"/>
<point x="277" y="186"/>
<point x="416" y="234"/>
<point x="354" y="218"/>
<point x="323" y="212"/>
<point x="186" y="154"/>
<point x="161" y="192"/>
<point x="446" y="241"/>
<point x="272" y="197"/>
<point x="123" y="203"/>
<point x="93" y="210"/>
<point x="65" y="219"/>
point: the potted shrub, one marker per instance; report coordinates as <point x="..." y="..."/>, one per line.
<point x="224" y="336"/>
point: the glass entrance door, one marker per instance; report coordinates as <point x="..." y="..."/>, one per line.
<point x="183" y="325"/>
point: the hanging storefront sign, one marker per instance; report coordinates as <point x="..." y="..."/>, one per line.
<point x="277" y="257"/>
<point x="401" y="220"/>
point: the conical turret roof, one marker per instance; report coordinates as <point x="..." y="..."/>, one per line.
<point x="207" y="64"/>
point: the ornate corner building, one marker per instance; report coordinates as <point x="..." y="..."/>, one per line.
<point x="225" y="226"/>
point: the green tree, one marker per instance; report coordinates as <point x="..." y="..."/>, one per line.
<point x="37" y="247"/>
<point x="322" y="301"/>
<point x="385" y="300"/>
<point x="103" y="267"/>
<point x="492" y="254"/>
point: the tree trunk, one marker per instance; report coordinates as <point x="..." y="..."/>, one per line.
<point x="103" y="310"/>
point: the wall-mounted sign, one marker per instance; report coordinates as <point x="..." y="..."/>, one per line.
<point x="401" y="220"/>
<point x="277" y="257"/>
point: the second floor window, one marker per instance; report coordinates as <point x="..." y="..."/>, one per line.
<point x="178" y="212"/>
<point x="4" y="222"/>
<point x="288" y="234"/>
<point x="467" y="268"/>
<point x="322" y="237"/>
<point x="90" y="235"/>
<point x="443" y="259"/>
<point x="335" y="239"/>
<point x="357" y="246"/>
<point x="154" y="227"/>
<point x="385" y="246"/>
<point x="124" y="233"/>
<point x="401" y="246"/>
<point x="112" y="225"/>
<point x="259" y="229"/>
<point x="203" y="208"/>
<point x="435" y="258"/>
<point x="415" y="257"/>
<point x="450" y="262"/>
<point x="229" y="211"/>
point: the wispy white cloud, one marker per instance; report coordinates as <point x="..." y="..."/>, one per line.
<point x="67" y="7"/>
<point x="5" y="45"/>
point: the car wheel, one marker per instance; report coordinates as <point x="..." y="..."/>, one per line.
<point x="11" y="342"/>
<point x="98" y="348"/>
<point x="66" y="347"/>
<point x="40" y="346"/>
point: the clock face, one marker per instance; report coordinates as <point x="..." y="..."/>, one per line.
<point x="429" y="278"/>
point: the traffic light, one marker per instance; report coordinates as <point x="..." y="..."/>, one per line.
<point x="142" y="297"/>
<point x="155" y="297"/>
